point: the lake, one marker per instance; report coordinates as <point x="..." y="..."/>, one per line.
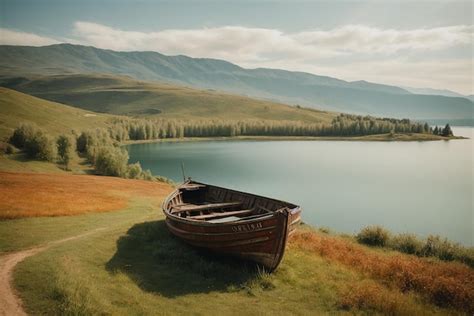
<point x="418" y="187"/>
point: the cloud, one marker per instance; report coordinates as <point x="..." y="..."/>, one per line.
<point x="9" y="37"/>
<point x="364" y="39"/>
<point x="244" y="43"/>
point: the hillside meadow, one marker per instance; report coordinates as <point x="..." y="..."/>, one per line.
<point x="130" y="264"/>
<point x="125" y="96"/>
<point x="55" y="118"/>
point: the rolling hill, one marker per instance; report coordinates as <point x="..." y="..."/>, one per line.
<point x="125" y="96"/>
<point x="283" y="86"/>
<point x="55" y="118"/>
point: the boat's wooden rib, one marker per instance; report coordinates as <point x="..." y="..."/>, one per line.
<point x="231" y="222"/>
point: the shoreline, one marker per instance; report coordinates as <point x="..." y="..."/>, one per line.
<point x="367" y="138"/>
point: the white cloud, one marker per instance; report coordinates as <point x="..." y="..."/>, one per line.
<point x="364" y="39"/>
<point x="9" y="37"/>
<point x="245" y="43"/>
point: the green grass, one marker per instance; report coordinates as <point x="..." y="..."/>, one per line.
<point x="135" y="266"/>
<point x="19" y="234"/>
<point x="130" y="264"/>
<point x="54" y="118"/>
<point x="18" y="162"/>
<point x="125" y="96"/>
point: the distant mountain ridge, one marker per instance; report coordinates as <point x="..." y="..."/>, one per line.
<point x="322" y="92"/>
<point x="429" y="91"/>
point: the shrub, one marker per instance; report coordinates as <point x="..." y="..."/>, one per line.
<point x="23" y="133"/>
<point x="40" y="146"/>
<point x="466" y="255"/>
<point x="441" y="248"/>
<point x="163" y="179"/>
<point x="373" y="236"/>
<point x="407" y="243"/>
<point x="135" y="171"/>
<point x="34" y="141"/>
<point x="111" y="161"/>
<point x="147" y="175"/>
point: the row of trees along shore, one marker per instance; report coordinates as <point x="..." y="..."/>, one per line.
<point x="342" y="125"/>
<point x="101" y="146"/>
<point x="100" y="149"/>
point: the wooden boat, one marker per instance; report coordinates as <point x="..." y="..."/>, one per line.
<point x="231" y="222"/>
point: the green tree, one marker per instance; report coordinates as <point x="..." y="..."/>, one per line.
<point x="426" y="128"/>
<point x="65" y="149"/>
<point x="447" y="131"/>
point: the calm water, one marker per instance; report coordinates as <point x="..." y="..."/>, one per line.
<point x="420" y="187"/>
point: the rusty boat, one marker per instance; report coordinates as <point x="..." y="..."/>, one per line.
<point x="231" y="222"/>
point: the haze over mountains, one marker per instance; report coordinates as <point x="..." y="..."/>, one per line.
<point x="306" y="89"/>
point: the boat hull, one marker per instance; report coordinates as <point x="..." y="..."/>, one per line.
<point x="259" y="238"/>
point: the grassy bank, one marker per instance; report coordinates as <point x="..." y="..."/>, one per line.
<point x="380" y="137"/>
<point x="133" y="265"/>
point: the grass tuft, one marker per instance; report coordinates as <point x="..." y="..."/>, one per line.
<point x="407" y="243"/>
<point x="373" y="236"/>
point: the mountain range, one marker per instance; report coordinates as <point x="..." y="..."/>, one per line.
<point x="321" y="92"/>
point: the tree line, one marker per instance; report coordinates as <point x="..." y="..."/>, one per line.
<point x="342" y="125"/>
<point x="100" y="149"/>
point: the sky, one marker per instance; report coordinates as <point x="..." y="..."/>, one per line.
<point x="423" y="44"/>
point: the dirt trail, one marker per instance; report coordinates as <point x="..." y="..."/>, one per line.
<point x="10" y="303"/>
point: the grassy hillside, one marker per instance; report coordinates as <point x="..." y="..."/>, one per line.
<point x="323" y="92"/>
<point x="129" y="263"/>
<point x="55" y="118"/>
<point x="122" y="95"/>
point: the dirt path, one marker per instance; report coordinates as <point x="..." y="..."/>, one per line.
<point x="10" y="303"/>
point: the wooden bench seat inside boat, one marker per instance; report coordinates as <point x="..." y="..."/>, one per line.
<point x="223" y="214"/>
<point x="210" y="206"/>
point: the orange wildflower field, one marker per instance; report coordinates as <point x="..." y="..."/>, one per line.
<point x="31" y="194"/>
